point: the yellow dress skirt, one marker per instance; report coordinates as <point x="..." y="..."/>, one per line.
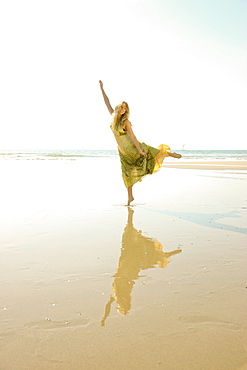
<point x="134" y="165"/>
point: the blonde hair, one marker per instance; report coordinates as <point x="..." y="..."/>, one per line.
<point x="117" y="119"/>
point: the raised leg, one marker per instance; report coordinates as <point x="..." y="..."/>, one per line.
<point x="130" y="195"/>
<point x="174" y="155"/>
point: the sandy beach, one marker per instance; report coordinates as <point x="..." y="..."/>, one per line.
<point x="208" y="165"/>
<point x="88" y="283"/>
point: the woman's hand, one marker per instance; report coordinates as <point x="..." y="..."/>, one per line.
<point x="143" y="153"/>
<point x="106" y="100"/>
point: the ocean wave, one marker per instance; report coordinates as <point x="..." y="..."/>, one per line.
<point x="188" y="155"/>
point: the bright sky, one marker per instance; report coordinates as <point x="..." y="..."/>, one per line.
<point x="181" y="66"/>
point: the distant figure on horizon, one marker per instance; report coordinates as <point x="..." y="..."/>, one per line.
<point x="137" y="159"/>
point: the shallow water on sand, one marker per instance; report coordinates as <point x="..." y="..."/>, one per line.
<point x="88" y="283"/>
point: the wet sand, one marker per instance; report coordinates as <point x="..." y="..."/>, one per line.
<point x="87" y="283"/>
<point x="208" y="165"/>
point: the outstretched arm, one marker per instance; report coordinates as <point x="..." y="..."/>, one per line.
<point x="107" y="101"/>
<point x="133" y="138"/>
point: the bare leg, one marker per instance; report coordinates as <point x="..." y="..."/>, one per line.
<point x="130" y="195"/>
<point x="174" y="155"/>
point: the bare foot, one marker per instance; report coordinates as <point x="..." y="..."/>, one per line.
<point x="130" y="200"/>
<point x="175" y="155"/>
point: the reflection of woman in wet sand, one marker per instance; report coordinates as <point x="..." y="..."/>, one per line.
<point x="138" y="253"/>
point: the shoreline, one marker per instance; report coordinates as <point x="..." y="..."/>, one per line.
<point x="168" y="162"/>
<point x="207" y="165"/>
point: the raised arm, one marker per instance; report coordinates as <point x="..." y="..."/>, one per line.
<point x="106" y="100"/>
<point x="133" y="138"/>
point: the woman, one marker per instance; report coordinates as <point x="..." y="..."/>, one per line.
<point x="137" y="159"/>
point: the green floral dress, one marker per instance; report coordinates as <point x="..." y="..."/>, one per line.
<point x="134" y="165"/>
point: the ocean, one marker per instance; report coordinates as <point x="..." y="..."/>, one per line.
<point x="188" y="155"/>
